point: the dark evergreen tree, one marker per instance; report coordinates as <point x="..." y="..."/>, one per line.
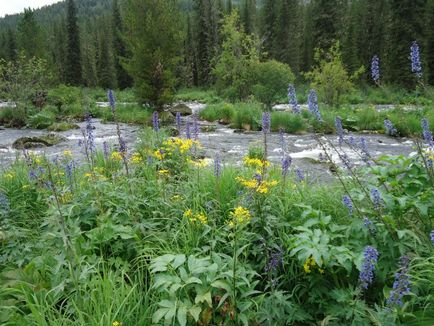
<point x="248" y="17"/>
<point x="11" y="45"/>
<point x="30" y="37"/>
<point x="269" y="27"/>
<point x="327" y="22"/>
<point x="190" y="57"/>
<point x="287" y="42"/>
<point x="307" y="60"/>
<point x="73" y="73"/>
<point x="58" y="49"/>
<point x="119" y="48"/>
<point x="229" y="6"/>
<point x="406" y="25"/>
<point x="106" y="67"/>
<point x="429" y="44"/>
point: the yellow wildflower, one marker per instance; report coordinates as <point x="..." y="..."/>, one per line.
<point x="256" y="163"/>
<point x="116" y="156"/>
<point x="198" y="217"/>
<point x="163" y="172"/>
<point x="10" y="175"/>
<point x="309" y="263"/>
<point x="25" y="187"/>
<point x="200" y="163"/>
<point x="159" y="154"/>
<point x="176" y="198"/>
<point x="116" y="323"/>
<point x="261" y="187"/>
<point x="136" y="158"/>
<point x="67" y="153"/>
<point x="88" y="175"/>
<point x="240" y="215"/>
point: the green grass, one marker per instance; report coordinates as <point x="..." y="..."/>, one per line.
<point x="197" y="94"/>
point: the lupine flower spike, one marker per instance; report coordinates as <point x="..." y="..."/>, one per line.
<point x="339" y="130"/>
<point x="416" y="66"/>
<point x="155" y="124"/>
<point x="348" y="203"/>
<point x="313" y="105"/>
<point x="370" y="258"/>
<point x="375" y="69"/>
<point x="292" y="98"/>
<point x="401" y="286"/>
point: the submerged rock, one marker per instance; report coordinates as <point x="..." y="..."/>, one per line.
<point x="181" y="108"/>
<point x="39" y="141"/>
<point x="63" y="126"/>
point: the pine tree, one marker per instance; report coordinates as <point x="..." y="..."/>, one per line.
<point x="106" y="71"/>
<point x="30" y="38"/>
<point x="287" y="43"/>
<point x="429" y="44"/>
<point x="73" y="74"/>
<point x="119" y="49"/>
<point x="407" y="25"/>
<point x="154" y="34"/>
<point x="269" y="24"/>
<point x="11" y="45"/>
<point x="249" y="16"/>
<point x="229" y="6"/>
<point x="327" y="18"/>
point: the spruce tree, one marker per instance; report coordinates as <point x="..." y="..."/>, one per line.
<point x="30" y="37"/>
<point x="154" y="34"/>
<point x="11" y="45"/>
<point x="73" y="73"/>
<point x="287" y="42"/>
<point x="406" y="26"/>
<point x="119" y="49"/>
<point x="429" y="44"/>
<point x="106" y="71"/>
<point x="269" y="27"/>
<point x="249" y="16"/>
<point x="229" y="6"/>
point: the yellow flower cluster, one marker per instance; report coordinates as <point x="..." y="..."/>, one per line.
<point x="10" y="175"/>
<point x="136" y="158"/>
<point x="179" y="144"/>
<point x="67" y="153"/>
<point x="117" y="156"/>
<point x="159" y="154"/>
<point x="197" y="217"/>
<point x="239" y="216"/>
<point x="256" y="163"/>
<point x="116" y="323"/>
<point x="200" y="163"/>
<point x="309" y="264"/>
<point x="163" y="172"/>
<point x="261" y="187"/>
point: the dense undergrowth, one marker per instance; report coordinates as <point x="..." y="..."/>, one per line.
<point x="156" y="235"/>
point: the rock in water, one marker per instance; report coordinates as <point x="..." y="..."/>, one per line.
<point x="181" y="108"/>
<point x="39" y="141"/>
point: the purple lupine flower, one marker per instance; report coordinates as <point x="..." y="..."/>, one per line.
<point x="364" y="149"/>
<point x="375" y="69"/>
<point x="150" y="160"/>
<point x="90" y="139"/>
<point x="416" y="66"/>
<point x="339" y="130"/>
<point x="348" y="203"/>
<point x="432" y="236"/>
<point x="187" y="130"/>
<point x="286" y="163"/>
<point x="275" y="261"/>
<point x="312" y="101"/>
<point x="32" y="175"/>
<point x="401" y="285"/>
<point x="376" y="198"/>
<point x="352" y="141"/>
<point x="122" y="146"/>
<point x="369" y="225"/>
<point x="105" y="150"/>
<point x="4" y="202"/>
<point x="111" y="99"/>
<point x="266" y="122"/>
<point x="155" y="121"/>
<point x="258" y="177"/>
<point x="299" y="175"/>
<point x="69" y="170"/>
<point x="390" y="129"/>
<point x="346" y="161"/>
<point x="195" y="127"/>
<point x="217" y="166"/>
<point x="178" y="122"/>
<point x="370" y="258"/>
<point x="292" y="98"/>
<point x="427" y="134"/>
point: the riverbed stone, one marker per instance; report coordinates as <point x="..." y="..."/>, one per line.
<point x="182" y="108"/>
<point x="63" y="126"/>
<point x="38" y="141"/>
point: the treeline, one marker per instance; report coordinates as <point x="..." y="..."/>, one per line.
<point x="95" y="42"/>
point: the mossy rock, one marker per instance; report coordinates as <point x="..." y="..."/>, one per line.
<point x="166" y="118"/>
<point x="208" y="128"/>
<point x="172" y="131"/>
<point x="181" y="108"/>
<point x="39" y="141"/>
<point x="63" y="126"/>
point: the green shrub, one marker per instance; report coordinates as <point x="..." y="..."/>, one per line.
<point x="64" y="95"/>
<point x="288" y="122"/>
<point x="271" y="81"/>
<point x="247" y="116"/>
<point x="221" y="111"/>
<point x="196" y="94"/>
<point x="42" y="120"/>
<point x="13" y="117"/>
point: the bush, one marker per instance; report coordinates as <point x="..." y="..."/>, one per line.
<point x="330" y="77"/>
<point x="288" y="122"/>
<point x="64" y="95"/>
<point x="215" y="112"/>
<point x="13" y="117"/>
<point x="247" y="116"/>
<point x="271" y="81"/>
<point x="42" y="120"/>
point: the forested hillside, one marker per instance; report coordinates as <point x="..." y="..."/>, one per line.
<point x="288" y="31"/>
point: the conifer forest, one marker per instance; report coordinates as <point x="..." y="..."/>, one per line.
<point x="217" y="162"/>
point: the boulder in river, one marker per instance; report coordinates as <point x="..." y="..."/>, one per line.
<point x="38" y="141"/>
<point x="63" y="126"/>
<point x="181" y="108"/>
